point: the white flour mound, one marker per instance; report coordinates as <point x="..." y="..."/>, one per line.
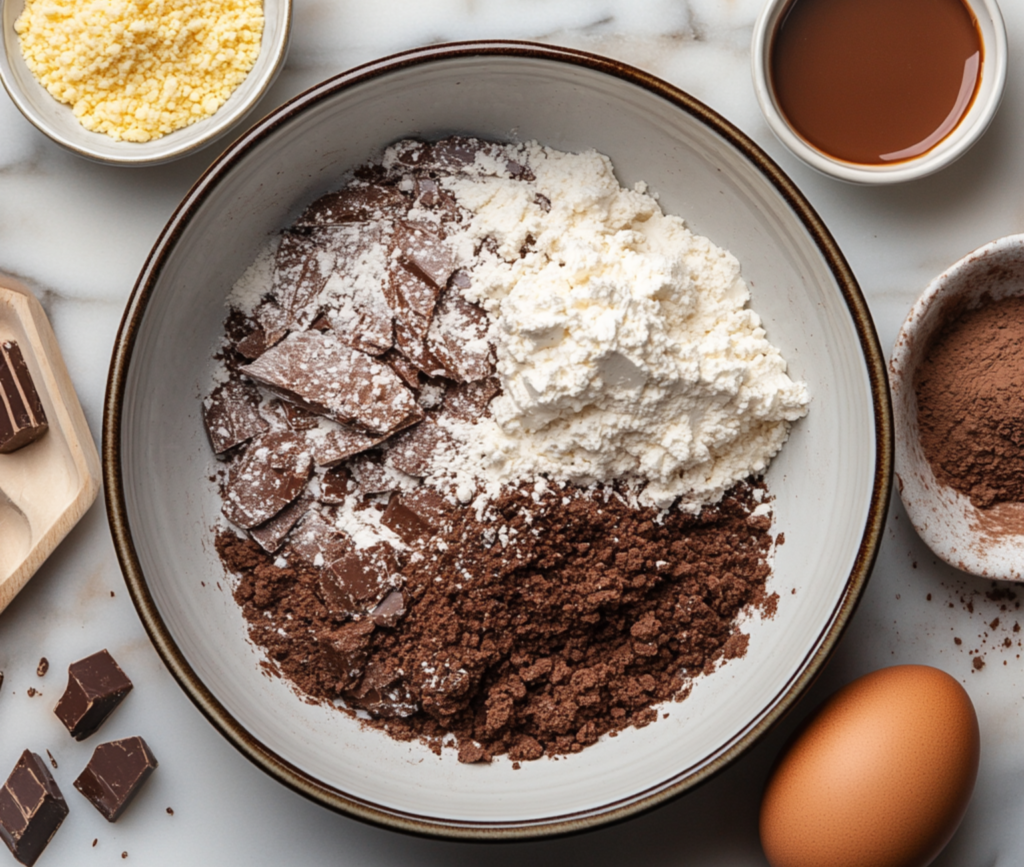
<point x="625" y="347"/>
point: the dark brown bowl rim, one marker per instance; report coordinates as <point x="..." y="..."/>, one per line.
<point x="295" y="778"/>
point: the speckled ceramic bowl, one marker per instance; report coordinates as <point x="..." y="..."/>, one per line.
<point x="986" y="542"/>
<point x="58" y="122"/>
<point x="831" y="482"/>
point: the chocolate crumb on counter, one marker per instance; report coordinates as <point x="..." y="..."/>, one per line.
<point x="43" y="667"/>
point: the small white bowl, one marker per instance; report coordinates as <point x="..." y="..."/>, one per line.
<point x="985" y="542"/>
<point x="56" y="119"/>
<point x="946" y="152"/>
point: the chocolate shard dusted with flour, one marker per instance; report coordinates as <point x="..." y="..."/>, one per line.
<point x="356" y="582"/>
<point x="424" y="252"/>
<point x="413" y="450"/>
<point x="468" y="402"/>
<point x="271" y="535"/>
<point x="345" y="649"/>
<point x="333" y="446"/>
<point x="458" y="337"/>
<point x="32" y="808"/>
<point x="115" y="774"/>
<point x="360" y="202"/>
<point x="321" y="373"/>
<point x="270" y="475"/>
<point x="301" y="270"/>
<point x="22" y="417"/>
<point x="315" y="542"/>
<point x="96" y="686"/>
<point x="389" y="610"/>
<point x="335" y="486"/>
<point x="231" y="415"/>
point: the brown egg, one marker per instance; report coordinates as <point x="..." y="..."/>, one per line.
<point x="879" y="776"/>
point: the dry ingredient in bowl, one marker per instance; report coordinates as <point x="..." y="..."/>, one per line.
<point x="970" y="403"/>
<point x="140" y="69"/>
<point x="491" y="427"/>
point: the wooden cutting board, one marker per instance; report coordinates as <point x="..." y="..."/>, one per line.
<point x="47" y="486"/>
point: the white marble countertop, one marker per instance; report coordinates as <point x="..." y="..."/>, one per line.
<point x="77" y="234"/>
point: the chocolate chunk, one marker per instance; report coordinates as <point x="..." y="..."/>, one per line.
<point x="115" y="774"/>
<point x="270" y="475"/>
<point x="383" y="692"/>
<point x="412" y="451"/>
<point x="31" y="808"/>
<point x="345" y="649"/>
<point x="468" y="401"/>
<point x="335" y="485"/>
<point x="301" y="271"/>
<point x="297" y="417"/>
<point x="414" y="347"/>
<point x="455" y="152"/>
<point x="273" y="321"/>
<point x="334" y="446"/>
<point x="356" y="582"/>
<point x="404" y="522"/>
<point x="422" y="250"/>
<point x="360" y="202"/>
<point x="406" y="370"/>
<point x="390" y="609"/>
<point x="253" y="345"/>
<point x="372" y="477"/>
<point x="96" y="686"/>
<point x="412" y="154"/>
<point x="22" y="418"/>
<point x="271" y="535"/>
<point x="429" y="506"/>
<point x="411" y="299"/>
<point x="316" y="542"/>
<point x="324" y="375"/>
<point x="231" y="415"/>
<point x="458" y="338"/>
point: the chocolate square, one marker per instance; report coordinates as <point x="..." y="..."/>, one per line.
<point x="356" y="582"/>
<point x="32" y="808"/>
<point x="115" y="774"/>
<point x="96" y="686"/>
<point x="270" y="475"/>
<point x="231" y="415"/>
<point x="22" y="418"/>
<point x="319" y="372"/>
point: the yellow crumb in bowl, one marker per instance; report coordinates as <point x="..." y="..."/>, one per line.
<point x="139" y="69"/>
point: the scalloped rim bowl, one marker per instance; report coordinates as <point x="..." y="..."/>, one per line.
<point x="831" y="482"/>
<point x="57" y="121"/>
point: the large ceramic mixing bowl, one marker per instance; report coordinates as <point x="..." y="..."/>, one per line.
<point x="831" y="482"/>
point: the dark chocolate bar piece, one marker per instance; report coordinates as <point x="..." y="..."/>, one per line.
<point x="269" y="476"/>
<point x="31" y="808"/>
<point x="231" y="415"/>
<point x="22" y="418"/>
<point x="96" y="686"/>
<point x="115" y="774"/>
<point x="413" y="450"/>
<point x="322" y="374"/>
<point x="357" y="582"/>
<point x="271" y="535"/>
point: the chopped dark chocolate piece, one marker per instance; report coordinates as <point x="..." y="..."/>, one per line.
<point x="316" y="542"/>
<point x="297" y="417"/>
<point x="413" y="154"/>
<point x="468" y="401"/>
<point x="334" y="446"/>
<point x="22" y="417"/>
<point x="412" y="451"/>
<point x="414" y="348"/>
<point x="390" y="609"/>
<point x="406" y="370"/>
<point x="360" y="202"/>
<point x="519" y="172"/>
<point x="356" y="582"/>
<point x="322" y="323"/>
<point x="424" y="253"/>
<point x="96" y="686"/>
<point x="319" y="372"/>
<point x="411" y="299"/>
<point x="457" y="151"/>
<point x="335" y="485"/>
<point x="383" y="692"/>
<point x="115" y="774"/>
<point x="32" y="808"/>
<point x="429" y="506"/>
<point x="301" y="271"/>
<point x="231" y="415"/>
<point x="253" y="345"/>
<point x="372" y="477"/>
<point x="345" y="649"/>
<point x="271" y="535"/>
<point x="273" y="319"/>
<point x="458" y="337"/>
<point x="404" y="522"/>
<point x="271" y="474"/>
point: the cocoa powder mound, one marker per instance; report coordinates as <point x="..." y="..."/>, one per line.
<point x="533" y="631"/>
<point x="970" y="399"/>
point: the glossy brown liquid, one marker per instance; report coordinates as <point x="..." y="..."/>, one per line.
<point x="875" y="81"/>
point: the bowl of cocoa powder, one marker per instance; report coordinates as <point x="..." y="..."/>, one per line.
<point x="957" y="374"/>
<point x="443" y="532"/>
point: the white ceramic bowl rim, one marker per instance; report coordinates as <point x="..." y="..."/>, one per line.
<point x="971" y="127"/>
<point x="159" y="633"/>
<point x="67" y="132"/>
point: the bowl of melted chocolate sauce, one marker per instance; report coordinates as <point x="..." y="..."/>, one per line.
<point x="879" y="91"/>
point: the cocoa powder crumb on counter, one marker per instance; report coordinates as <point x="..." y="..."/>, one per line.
<point x="535" y="647"/>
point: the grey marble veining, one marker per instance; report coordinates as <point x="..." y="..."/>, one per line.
<point x="78" y="234"/>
